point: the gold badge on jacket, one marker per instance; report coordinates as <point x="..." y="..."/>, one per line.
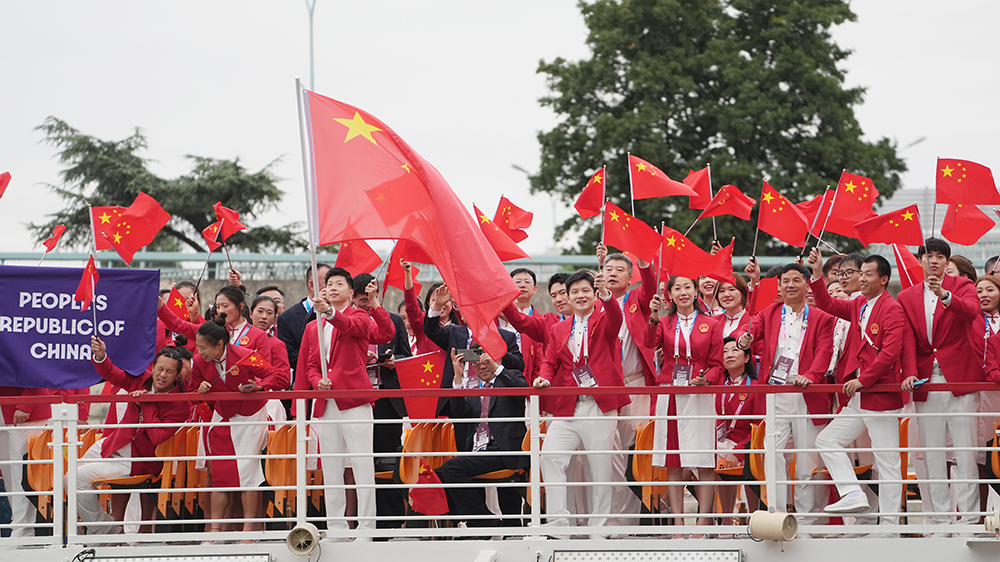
<point x="703" y="328"/>
<point x="244" y="340"/>
<point x="633" y="308"/>
<point x="743" y="397"/>
<point x="235" y="371"/>
<point x="874" y="329"/>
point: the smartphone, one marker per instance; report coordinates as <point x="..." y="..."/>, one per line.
<point x="470" y="355"/>
<point x="920" y="382"/>
<point x="384" y="357"/>
<point x="248" y="385"/>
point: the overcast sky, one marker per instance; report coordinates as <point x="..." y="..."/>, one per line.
<point x="456" y="79"/>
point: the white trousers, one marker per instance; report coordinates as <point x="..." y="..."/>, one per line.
<point x="803" y="434"/>
<point x="624" y="503"/>
<point x="884" y="432"/>
<point x="22" y="512"/>
<point x="93" y="467"/>
<point x="562" y="438"/>
<point x="354" y="438"/>
<point x="934" y="433"/>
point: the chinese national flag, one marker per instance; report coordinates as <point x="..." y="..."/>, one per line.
<point x="429" y="501"/>
<point x="103" y="219"/>
<point x="649" y="181"/>
<point x="512" y="219"/>
<point x="357" y="257"/>
<point x="589" y="203"/>
<point x="421" y="372"/>
<point x="962" y="181"/>
<point x="211" y="236"/>
<point x="253" y="359"/>
<point x="229" y="219"/>
<point x="895" y="227"/>
<point x="701" y="183"/>
<point x="88" y="284"/>
<point x="833" y="221"/>
<point x="763" y="295"/>
<point x="907" y="267"/>
<point x="682" y="257"/>
<point x="965" y="224"/>
<point x="627" y="233"/>
<point x="177" y="304"/>
<point x="729" y="201"/>
<point x="135" y="227"/>
<point x="368" y="180"/>
<point x="394" y="274"/>
<point x="4" y="182"/>
<point x="51" y="241"/>
<point x="780" y="218"/>
<point x="505" y="248"/>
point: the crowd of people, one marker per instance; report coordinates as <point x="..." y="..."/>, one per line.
<point x="833" y="321"/>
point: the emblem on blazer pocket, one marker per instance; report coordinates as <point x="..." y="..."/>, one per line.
<point x="743" y="397"/>
<point x="874" y="329"/>
<point x="633" y="308"/>
<point x="236" y="371"/>
<point x="244" y="340"/>
<point x="703" y="328"/>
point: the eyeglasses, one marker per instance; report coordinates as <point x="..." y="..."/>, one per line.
<point x="847" y="273"/>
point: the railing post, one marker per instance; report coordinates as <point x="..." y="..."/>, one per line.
<point x="770" y="454"/>
<point x="63" y="415"/>
<point x="301" y="446"/>
<point x="73" y="444"/>
<point x="535" y="425"/>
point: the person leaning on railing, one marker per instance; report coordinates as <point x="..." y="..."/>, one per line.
<point x="733" y="434"/>
<point x="110" y="457"/>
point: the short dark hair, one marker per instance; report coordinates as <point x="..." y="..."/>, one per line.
<point x="989" y="264"/>
<point x="831" y="262"/>
<point x="773" y="272"/>
<point x="581" y="275"/>
<point x="340" y="272"/>
<point x="806" y="274"/>
<point x="263" y="298"/>
<point x="557" y="278"/>
<point x="214" y="331"/>
<point x="319" y="266"/>
<point x="361" y="283"/>
<point x="164" y="292"/>
<point x="933" y="244"/>
<point x="882" y="266"/>
<point x="852" y="258"/>
<point x="965" y="267"/>
<point x="263" y="290"/>
<point x="188" y="283"/>
<point x="534" y="279"/>
<point x="619" y="257"/>
<point x="750" y="367"/>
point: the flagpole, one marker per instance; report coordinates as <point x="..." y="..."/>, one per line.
<point x="604" y="210"/>
<point x="203" y="270"/>
<point x="93" y="287"/>
<point x="312" y="211"/>
<point x="631" y="193"/>
<point x="899" y="259"/>
<point x="43" y="258"/>
<point x="934" y="203"/>
<point x="385" y="261"/>
<point x="756" y="234"/>
<point x="659" y="267"/>
<point x="833" y="203"/>
<point x="715" y="233"/>
<point x="822" y="201"/>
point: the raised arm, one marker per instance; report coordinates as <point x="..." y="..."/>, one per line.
<point x="531" y="326"/>
<point x="175" y="324"/>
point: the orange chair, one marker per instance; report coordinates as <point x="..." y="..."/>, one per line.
<point x="40" y="475"/>
<point x="643" y="469"/>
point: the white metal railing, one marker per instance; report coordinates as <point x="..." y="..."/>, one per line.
<point x="67" y="530"/>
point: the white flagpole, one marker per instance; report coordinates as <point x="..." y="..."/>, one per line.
<point x="715" y="233"/>
<point x="631" y="192"/>
<point x="312" y="212"/>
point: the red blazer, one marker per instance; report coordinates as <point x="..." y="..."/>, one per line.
<point x="706" y="347"/>
<point x="753" y="405"/>
<point x="952" y="333"/>
<point x="605" y="360"/>
<point x="532" y="349"/>
<point x="163" y="336"/>
<point x="269" y="378"/>
<point x="636" y="312"/>
<point x="534" y="330"/>
<point x="144" y="440"/>
<point x="415" y="317"/>
<point x="993" y="358"/>
<point x="879" y="364"/>
<point x="353" y="331"/>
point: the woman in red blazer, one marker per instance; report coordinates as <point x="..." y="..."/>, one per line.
<point x="733" y="297"/>
<point x="733" y="434"/>
<point x="692" y="355"/>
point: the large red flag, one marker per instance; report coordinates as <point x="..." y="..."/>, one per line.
<point x="589" y="203"/>
<point x="505" y="248"/>
<point x="649" y="181"/>
<point x="627" y="233"/>
<point x="135" y="227"/>
<point x="211" y="235"/>
<point x="229" y="219"/>
<point x="701" y="183"/>
<point x="682" y="257"/>
<point x="417" y="373"/>
<point x="908" y="269"/>
<point x="103" y="219"/>
<point x="369" y="181"/>
<point x="4" y="182"/>
<point x="177" y="304"/>
<point x="765" y="293"/>
<point x="895" y="227"/>
<point x="779" y="218"/>
<point x="965" y="224"/>
<point x="833" y="221"/>
<point x="357" y="257"/>
<point x="88" y="284"/>
<point x="51" y="241"/>
<point x="962" y="181"/>
<point x="512" y="219"/>
<point x="430" y="501"/>
<point x="729" y="201"/>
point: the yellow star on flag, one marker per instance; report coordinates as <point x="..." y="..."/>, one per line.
<point x="598" y="179"/>
<point x="380" y="197"/>
<point x="178" y="302"/>
<point x="484" y="219"/>
<point x="428" y="367"/>
<point x="641" y="167"/>
<point x="849" y="186"/>
<point x="946" y="171"/>
<point x="105" y="218"/>
<point x="357" y="127"/>
<point x="118" y="238"/>
<point x="614" y="216"/>
<point x="672" y="241"/>
<point x="908" y="216"/>
<point x="768" y="197"/>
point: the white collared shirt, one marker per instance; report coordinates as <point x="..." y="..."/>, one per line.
<point x="631" y="357"/>
<point x="790" y="342"/>
<point x="234" y="335"/>
<point x="220" y="367"/>
<point x="578" y="335"/>
<point x="732" y="322"/>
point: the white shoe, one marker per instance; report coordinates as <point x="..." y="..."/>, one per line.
<point x="854" y="502"/>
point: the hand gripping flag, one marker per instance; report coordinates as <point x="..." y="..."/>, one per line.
<point x="88" y="285"/>
<point x="421" y="372"/>
<point x="627" y="233"/>
<point x="701" y="183"/>
<point x="368" y="180"/>
<point x="682" y="257"/>
<point x="591" y="199"/>
<point x="729" y="201"/>
<point x="51" y="241"/>
<point x="505" y="248"/>
<point x="357" y="257"/>
<point x="512" y="219"/>
<point x="965" y="224"/>
<point x="962" y="181"/>
<point x="649" y="181"/>
<point x="779" y="218"/>
<point x="895" y="227"/>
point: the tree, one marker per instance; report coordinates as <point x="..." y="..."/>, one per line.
<point x="100" y="172"/>
<point x="751" y="86"/>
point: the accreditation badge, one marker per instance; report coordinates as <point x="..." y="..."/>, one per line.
<point x="781" y="372"/>
<point x="682" y="375"/>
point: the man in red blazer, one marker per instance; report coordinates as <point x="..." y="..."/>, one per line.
<point x="583" y="352"/>
<point x="347" y="332"/>
<point x="872" y="355"/>
<point x="941" y="311"/>
<point x="794" y="342"/>
<point x="532" y="349"/>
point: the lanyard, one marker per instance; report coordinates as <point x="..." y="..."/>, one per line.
<point x="989" y="332"/>
<point x="583" y="346"/>
<point x="309" y="306"/>
<point x="687" y="336"/>
<point x="782" y="334"/>
<point x="746" y="382"/>
<point x="243" y="332"/>
<point x="863" y="327"/>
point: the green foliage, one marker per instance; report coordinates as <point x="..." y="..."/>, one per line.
<point x="100" y="172"/>
<point x="751" y="86"/>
